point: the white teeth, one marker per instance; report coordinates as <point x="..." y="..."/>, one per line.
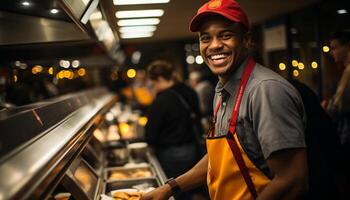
<point x="218" y="56"/>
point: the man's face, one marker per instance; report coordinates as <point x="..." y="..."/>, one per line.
<point x="339" y="51"/>
<point x="221" y="46"/>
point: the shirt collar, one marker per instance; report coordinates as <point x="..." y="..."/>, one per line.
<point x="231" y="84"/>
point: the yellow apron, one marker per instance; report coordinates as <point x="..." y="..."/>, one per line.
<point x="225" y="176"/>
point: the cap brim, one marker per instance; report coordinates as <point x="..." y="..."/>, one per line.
<point x="197" y="20"/>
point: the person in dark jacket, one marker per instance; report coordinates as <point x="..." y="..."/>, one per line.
<point x="169" y="129"/>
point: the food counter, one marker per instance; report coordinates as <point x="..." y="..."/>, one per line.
<point x="73" y="148"/>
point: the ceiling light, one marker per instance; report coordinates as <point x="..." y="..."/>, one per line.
<point x="25" y="3"/>
<point x="126" y="29"/>
<point x="342" y="11"/>
<point x="137" y="22"/>
<point x="54" y="11"/>
<point x="134" y="2"/>
<point x="314" y="65"/>
<point x="139" y="13"/>
<point x="136" y="35"/>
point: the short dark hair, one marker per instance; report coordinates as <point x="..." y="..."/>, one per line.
<point x="343" y="37"/>
<point x="160" y="68"/>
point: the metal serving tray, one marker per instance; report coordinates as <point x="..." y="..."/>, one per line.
<point x="127" y="184"/>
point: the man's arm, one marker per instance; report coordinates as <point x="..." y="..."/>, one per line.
<point x="290" y="175"/>
<point x="195" y="177"/>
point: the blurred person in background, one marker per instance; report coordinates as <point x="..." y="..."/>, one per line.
<point x="339" y="105"/>
<point x="205" y="92"/>
<point x="169" y="129"/>
<point x="142" y="93"/>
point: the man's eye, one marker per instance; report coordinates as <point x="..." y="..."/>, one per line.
<point x="226" y="36"/>
<point x="204" y="38"/>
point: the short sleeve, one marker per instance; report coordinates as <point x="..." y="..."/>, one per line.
<point x="278" y="116"/>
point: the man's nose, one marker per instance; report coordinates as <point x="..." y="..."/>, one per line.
<point x="215" y="44"/>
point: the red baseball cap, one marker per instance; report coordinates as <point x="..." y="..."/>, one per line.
<point x="229" y="9"/>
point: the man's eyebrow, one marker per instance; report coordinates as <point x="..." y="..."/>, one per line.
<point x="203" y="33"/>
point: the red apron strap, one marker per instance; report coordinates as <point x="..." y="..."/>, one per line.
<point x="232" y="130"/>
<point x="216" y="111"/>
<point x="241" y="164"/>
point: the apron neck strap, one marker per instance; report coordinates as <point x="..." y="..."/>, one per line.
<point x="244" y="79"/>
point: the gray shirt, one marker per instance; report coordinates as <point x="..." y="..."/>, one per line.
<point x="271" y="115"/>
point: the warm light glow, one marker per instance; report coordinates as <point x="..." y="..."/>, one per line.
<point x="314" y="65"/>
<point x="61" y="74"/>
<point x="199" y="60"/>
<point x="125" y="130"/>
<point x="50" y="70"/>
<point x="138" y="22"/>
<point x="127" y="29"/>
<point x="71" y="75"/>
<point x="139" y="13"/>
<point x="81" y="72"/>
<point x="99" y="135"/>
<point x="135" y="2"/>
<point x="37" y="69"/>
<point x="66" y="73"/>
<point x="131" y="73"/>
<point x="295" y="73"/>
<point x="301" y="66"/>
<point x="282" y="66"/>
<point x="143" y="121"/>
<point x="325" y="49"/>
<point x="130" y="35"/>
<point x="54" y="11"/>
<point x="15" y="78"/>
<point x="190" y="59"/>
<point x="295" y="63"/>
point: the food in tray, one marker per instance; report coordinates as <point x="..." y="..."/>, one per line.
<point x="136" y="173"/>
<point x="127" y="194"/>
<point x="62" y="196"/>
<point x="118" y="175"/>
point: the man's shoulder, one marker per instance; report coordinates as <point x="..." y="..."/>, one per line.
<point x="264" y="76"/>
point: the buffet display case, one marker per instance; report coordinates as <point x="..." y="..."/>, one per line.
<point x="65" y="150"/>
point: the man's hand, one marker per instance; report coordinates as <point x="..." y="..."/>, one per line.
<point x="195" y="177"/>
<point x="161" y="193"/>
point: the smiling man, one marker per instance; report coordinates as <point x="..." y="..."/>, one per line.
<point x="256" y="147"/>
